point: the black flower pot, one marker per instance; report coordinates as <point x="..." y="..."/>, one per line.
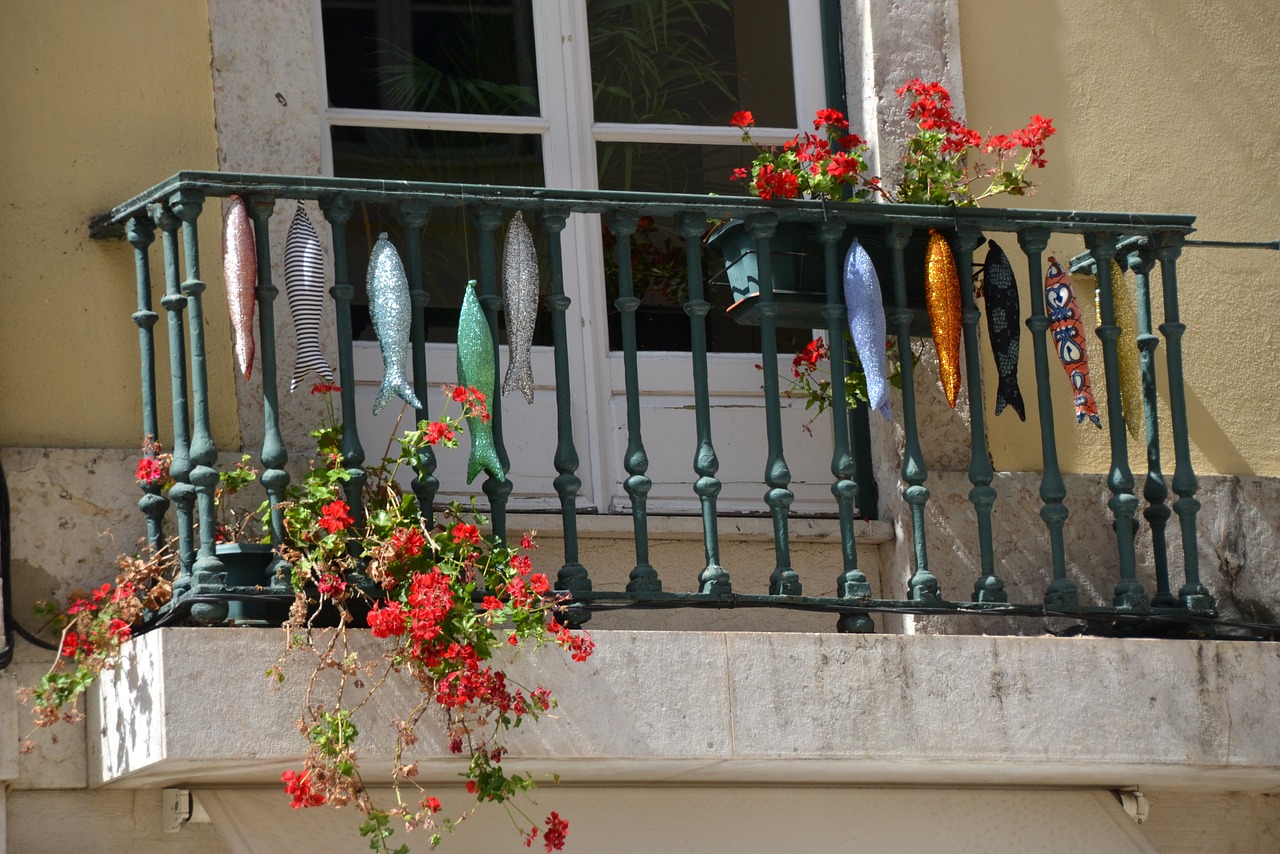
<point x="799" y="278"/>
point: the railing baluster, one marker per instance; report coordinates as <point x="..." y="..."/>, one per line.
<point x="413" y="216"/>
<point x="784" y="581"/>
<point x="988" y="587"/>
<point x="498" y="491"/>
<point x="208" y="574"/>
<point x="274" y="456"/>
<point x="851" y="583"/>
<point x="643" y="578"/>
<point x="1129" y="593"/>
<point x="1061" y="592"/>
<point x="337" y="210"/>
<point x="923" y="586"/>
<point x="1195" y="597"/>
<point x="182" y="493"/>
<point x="1154" y="490"/>
<point x="141" y="233"/>
<point x="713" y="578"/>
<point x="572" y="575"/>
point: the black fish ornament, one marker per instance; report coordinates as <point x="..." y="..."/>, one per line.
<point x="1004" y="327"/>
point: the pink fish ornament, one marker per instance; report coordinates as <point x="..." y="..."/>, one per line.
<point x="240" y="274"/>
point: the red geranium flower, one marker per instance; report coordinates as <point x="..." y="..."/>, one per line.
<point x="336" y="516"/>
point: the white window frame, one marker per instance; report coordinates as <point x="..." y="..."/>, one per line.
<point x="569" y="137"/>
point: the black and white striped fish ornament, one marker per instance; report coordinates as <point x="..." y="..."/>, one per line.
<point x="304" y="282"/>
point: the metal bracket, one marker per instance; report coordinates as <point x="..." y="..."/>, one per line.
<point x="1134" y="803"/>
<point x="178" y="807"/>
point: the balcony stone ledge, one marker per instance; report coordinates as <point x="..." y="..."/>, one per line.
<point x="193" y="707"/>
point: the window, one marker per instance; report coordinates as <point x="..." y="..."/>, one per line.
<point x="611" y="94"/>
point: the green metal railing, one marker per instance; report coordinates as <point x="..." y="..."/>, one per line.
<point x="173" y="207"/>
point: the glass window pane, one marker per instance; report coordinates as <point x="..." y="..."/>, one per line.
<point x="472" y="57"/>
<point x="691" y="61"/>
<point x="658" y="271"/>
<point x="450" y="254"/>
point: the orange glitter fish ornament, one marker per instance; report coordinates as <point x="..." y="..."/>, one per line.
<point x="942" y="298"/>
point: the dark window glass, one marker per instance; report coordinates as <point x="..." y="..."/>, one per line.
<point x="450" y="251"/>
<point x="472" y="57"/>
<point x="691" y="61"/>
<point x="659" y="276"/>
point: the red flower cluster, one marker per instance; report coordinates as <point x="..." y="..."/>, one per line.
<point x="386" y="620"/>
<point x="299" y="787"/>
<point x="580" y="646"/>
<point x="408" y="542"/>
<point x="810" y="164"/>
<point x="325" y="388"/>
<point x="473" y="402"/>
<point x="465" y="533"/>
<point x="151" y="470"/>
<point x="438" y="431"/>
<point x="336" y="516"/>
<point x="807" y="359"/>
<point x="331" y="585"/>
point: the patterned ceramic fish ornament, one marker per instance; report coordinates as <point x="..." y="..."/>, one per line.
<point x="520" y="301"/>
<point x="1004" y="313"/>
<point x="942" y="298"/>
<point x="240" y="273"/>
<point x="1130" y="358"/>
<point x="304" y="283"/>
<point x="476" y="369"/>
<point x="865" y="306"/>
<point x="392" y="316"/>
<point x="1068" y="335"/>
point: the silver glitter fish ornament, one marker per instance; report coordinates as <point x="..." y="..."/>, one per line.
<point x="304" y="283"/>
<point x="476" y="370"/>
<point x="865" y="307"/>
<point x="392" y="315"/>
<point x="240" y="274"/>
<point x="520" y="299"/>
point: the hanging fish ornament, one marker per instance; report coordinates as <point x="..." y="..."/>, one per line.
<point x="392" y="312"/>
<point x="1068" y="335"/>
<point x="520" y="301"/>
<point x="476" y="370"/>
<point x="1129" y="357"/>
<point x="304" y="283"/>
<point x="865" y="307"/>
<point x="240" y="273"/>
<point x="942" y="298"/>
<point x="1004" y="312"/>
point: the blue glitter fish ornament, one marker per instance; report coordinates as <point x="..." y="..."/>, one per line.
<point x="304" y="283"/>
<point x="865" y="307"/>
<point x="520" y="300"/>
<point x="1004" y="311"/>
<point x="392" y="313"/>
<point x="476" y="370"/>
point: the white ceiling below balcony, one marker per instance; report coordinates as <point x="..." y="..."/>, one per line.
<point x="711" y="820"/>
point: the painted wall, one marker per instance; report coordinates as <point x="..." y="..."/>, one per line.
<point x="1163" y="107"/>
<point x="98" y="101"/>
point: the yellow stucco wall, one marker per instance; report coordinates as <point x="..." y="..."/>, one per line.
<point x="97" y="102"/>
<point x="1161" y="106"/>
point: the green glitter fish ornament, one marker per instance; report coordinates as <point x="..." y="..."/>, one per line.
<point x="476" y="370"/>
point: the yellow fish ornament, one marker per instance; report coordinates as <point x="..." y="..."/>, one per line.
<point x="942" y="298"/>
<point x="1128" y="355"/>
